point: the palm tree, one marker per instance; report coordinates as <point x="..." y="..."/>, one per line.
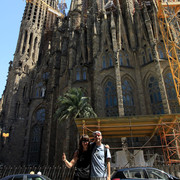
<point x="73" y="104"/>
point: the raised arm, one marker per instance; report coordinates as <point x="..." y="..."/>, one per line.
<point x="72" y="162"/>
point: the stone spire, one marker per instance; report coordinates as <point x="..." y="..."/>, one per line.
<point x="76" y="5"/>
<point x="75" y="14"/>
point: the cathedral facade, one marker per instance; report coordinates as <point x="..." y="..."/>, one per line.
<point x="113" y="50"/>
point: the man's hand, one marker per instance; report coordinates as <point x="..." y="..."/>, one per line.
<point x="107" y="146"/>
<point x="108" y="178"/>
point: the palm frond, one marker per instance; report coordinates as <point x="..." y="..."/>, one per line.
<point x="72" y="105"/>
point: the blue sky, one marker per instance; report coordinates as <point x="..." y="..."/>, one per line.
<point x="10" y="18"/>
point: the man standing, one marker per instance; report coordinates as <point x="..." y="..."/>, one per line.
<point x="100" y="160"/>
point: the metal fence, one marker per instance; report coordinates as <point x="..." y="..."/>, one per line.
<point x="64" y="173"/>
<point x="53" y="172"/>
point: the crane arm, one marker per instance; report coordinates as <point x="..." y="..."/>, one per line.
<point x="168" y="17"/>
<point x="49" y="8"/>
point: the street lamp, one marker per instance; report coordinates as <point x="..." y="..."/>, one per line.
<point x="5" y="135"/>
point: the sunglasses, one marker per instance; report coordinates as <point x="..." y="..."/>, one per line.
<point x="85" y="140"/>
<point x="97" y="135"/>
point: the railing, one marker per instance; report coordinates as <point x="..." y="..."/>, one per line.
<point x="53" y="172"/>
<point x="64" y="173"/>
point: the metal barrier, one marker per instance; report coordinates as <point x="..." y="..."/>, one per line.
<point x="64" y="173"/>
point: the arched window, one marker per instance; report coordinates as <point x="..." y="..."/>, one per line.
<point x="150" y="55"/>
<point x="171" y="93"/>
<point x="35" y="145"/>
<point x="40" y="115"/>
<point x="84" y="74"/>
<point x="36" y="137"/>
<point x="155" y="96"/>
<point x="161" y="55"/>
<point x="111" y="105"/>
<point x="104" y="62"/>
<point x="127" y="60"/>
<point x="128" y="99"/>
<point x="121" y="59"/>
<point x="110" y="60"/>
<point x="40" y="90"/>
<point x="45" y="75"/>
<point x="144" y="58"/>
<point x="77" y="74"/>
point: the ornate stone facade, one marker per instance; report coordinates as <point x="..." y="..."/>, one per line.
<point x="112" y="50"/>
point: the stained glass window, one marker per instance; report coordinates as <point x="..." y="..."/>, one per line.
<point x="155" y="96"/>
<point x="40" y="90"/>
<point x="111" y="104"/>
<point x="127" y="60"/>
<point x="150" y="55"/>
<point x="171" y="93"/>
<point x="128" y="99"/>
<point x="40" y="115"/>
<point x="110" y="60"/>
<point x="45" y="75"/>
<point x="77" y="74"/>
<point x="161" y="55"/>
<point x="35" y="137"/>
<point x="144" y="58"/>
<point x="121" y="59"/>
<point x="35" y="144"/>
<point x="84" y="74"/>
<point x="104" y="62"/>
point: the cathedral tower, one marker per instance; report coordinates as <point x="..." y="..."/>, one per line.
<point x="37" y="21"/>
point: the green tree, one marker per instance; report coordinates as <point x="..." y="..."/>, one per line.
<point x="73" y="104"/>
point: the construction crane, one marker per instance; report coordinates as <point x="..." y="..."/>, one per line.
<point x="62" y="6"/>
<point x="169" y="18"/>
<point x="49" y="8"/>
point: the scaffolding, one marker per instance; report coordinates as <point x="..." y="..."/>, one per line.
<point x="168" y="13"/>
<point x="165" y="126"/>
<point x="169" y="134"/>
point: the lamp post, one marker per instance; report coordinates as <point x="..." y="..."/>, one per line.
<point x="3" y="133"/>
